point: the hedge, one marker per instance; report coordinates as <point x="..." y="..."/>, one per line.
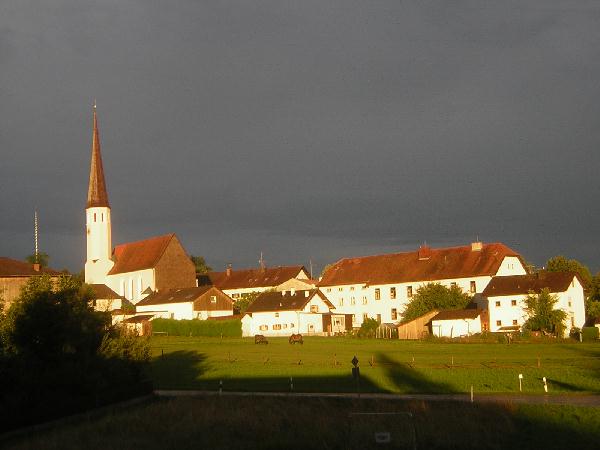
<point x="589" y="333"/>
<point x="196" y="327"/>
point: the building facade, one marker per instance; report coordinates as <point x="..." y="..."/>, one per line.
<point x="380" y="286"/>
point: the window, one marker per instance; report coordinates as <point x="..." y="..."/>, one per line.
<point x="513" y="303"/>
<point x="314" y="308"/>
<point x="364" y="300"/>
<point x="473" y="287"/>
<point x="94" y="217"/>
<point x="235" y="296"/>
<point x="285" y="325"/>
<point x="353" y="318"/>
<point x="379" y="318"/>
<point x="409" y="293"/>
<point x="352" y="301"/>
<point x="340" y="289"/>
<point x="497" y="304"/>
<point x="392" y="293"/>
<point x="351" y="288"/>
<point x="172" y="315"/>
<point x="328" y="289"/>
<point x="102" y="217"/>
<point x="377" y="294"/>
<point x="341" y="302"/>
<point x="570" y="304"/>
<point x="291" y="325"/>
<point x="263" y="328"/>
<point x="277" y="326"/>
<point x="515" y="322"/>
<point x="365" y="316"/>
<point x="394" y="314"/>
<point x="498" y="322"/>
<point x="453" y="284"/>
<point x="276" y="314"/>
<point x="364" y="287"/>
<point x="213" y="299"/>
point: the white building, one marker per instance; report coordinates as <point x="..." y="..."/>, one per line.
<point x="504" y="297"/>
<point x="457" y="323"/>
<point x="133" y="268"/>
<point x="289" y="312"/>
<point x="381" y="286"/>
<point x="187" y="303"/>
<point x="239" y="283"/>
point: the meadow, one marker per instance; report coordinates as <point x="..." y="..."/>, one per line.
<point x="346" y="423"/>
<point x="387" y="366"/>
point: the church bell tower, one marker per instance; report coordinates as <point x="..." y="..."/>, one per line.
<point x="97" y="214"/>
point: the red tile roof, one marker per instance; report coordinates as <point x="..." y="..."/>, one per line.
<point x="252" y="278"/>
<point x="167" y="296"/>
<point x="426" y="264"/>
<point x="103" y="292"/>
<point x="285" y="301"/>
<point x="15" y="268"/>
<point x="139" y="255"/>
<point x="457" y="314"/>
<point x="522" y="284"/>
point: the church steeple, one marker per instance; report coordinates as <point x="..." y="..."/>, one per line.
<point x="97" y="195"/>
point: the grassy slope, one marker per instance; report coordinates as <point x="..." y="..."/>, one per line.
<point x="199" y="363"/>
<point x="225" y="422"/>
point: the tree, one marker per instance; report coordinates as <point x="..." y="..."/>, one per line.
<point x="435" y="296"/>
<point x="51" y="321"/>
<point x="592" y="303"/>
<point x="200" y="263"/>
<point x="542" y="315"/>
<point x="241" y="304"/>
<point x="368" y="327"/>
<point x="41" y="259"/>
<point x="562" y="264"/>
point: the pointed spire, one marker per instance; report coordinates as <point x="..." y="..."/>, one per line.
<point x="97" y="195"/>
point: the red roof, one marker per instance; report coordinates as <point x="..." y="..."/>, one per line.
<point x="252" y="278"/>
<point x="15" y="268"/>
<point x="103" y="292"/>
<point x="285" y="301"/>
<point x="139" y="255"/>
<point x="522" y="284"/>
<point x="425" y="264"/>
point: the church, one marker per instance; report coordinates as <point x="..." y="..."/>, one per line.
<point x="135" y="269"/>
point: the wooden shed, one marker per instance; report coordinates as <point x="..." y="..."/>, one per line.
<point x="417" y="328"/>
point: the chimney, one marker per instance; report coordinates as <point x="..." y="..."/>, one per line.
<point x="306" y="293"/>
<point x="424" y="252"/>
<point x="476" y="246"/>
<point x="36" y="267"/>
<point x="228" y="271"/>
<point x="283" y="293"/>
<point x="292" y="291"/>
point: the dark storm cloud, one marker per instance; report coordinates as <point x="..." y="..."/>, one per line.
<point x="307" y="130"/>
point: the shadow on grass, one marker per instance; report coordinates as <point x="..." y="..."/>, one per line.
<point x="177" y="370"/>
<point x="410" y="381"/>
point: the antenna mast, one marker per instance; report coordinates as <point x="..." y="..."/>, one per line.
<point x="35" y="235"/>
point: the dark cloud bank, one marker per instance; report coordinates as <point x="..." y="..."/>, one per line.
<point x="308" y="130"/>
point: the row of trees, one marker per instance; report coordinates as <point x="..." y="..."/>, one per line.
<point x="58" y="356"/>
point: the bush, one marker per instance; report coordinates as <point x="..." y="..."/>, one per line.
<point x="590" y="333"/>
<point x="368" y="327"/>
<point x="195" y="327"/>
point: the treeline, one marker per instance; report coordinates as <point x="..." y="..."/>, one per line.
<point x="59" y="357"/>
<point x="216" y="328"/>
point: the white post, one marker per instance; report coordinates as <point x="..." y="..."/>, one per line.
<point x="545" y="385"/>
<point x="471" y="393"/>
<point x="520" y="382"/>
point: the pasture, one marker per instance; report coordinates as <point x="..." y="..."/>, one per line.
<point x="346" y="423"/>
<point x="389" y="366"/>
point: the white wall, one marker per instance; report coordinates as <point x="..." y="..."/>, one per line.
<point x="456" y="328"/>
<point x="572" y="301"/>
<point x="99" y="245"/>
<point x="176" y="311"/>
<point x="140" y="280"/>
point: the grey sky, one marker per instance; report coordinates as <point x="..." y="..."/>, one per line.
<point x="305" y="129"/>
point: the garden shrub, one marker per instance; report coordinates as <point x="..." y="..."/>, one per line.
<point x="589" y="333"/>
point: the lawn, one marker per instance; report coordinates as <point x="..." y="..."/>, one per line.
<point x="300" y="423"/>
<point x="324" y="365"/>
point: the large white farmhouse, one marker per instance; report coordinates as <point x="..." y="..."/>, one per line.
<point x="380" y="286"/>
<point x="134" y="269"/>
<point x="504" y="298"/>
<point x="290" y="312"/>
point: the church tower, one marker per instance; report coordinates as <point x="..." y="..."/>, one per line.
<point x="97" y="214"/>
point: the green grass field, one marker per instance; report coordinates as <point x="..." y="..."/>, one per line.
<point x="306" y="423"/>
<point x="323" y="365"/>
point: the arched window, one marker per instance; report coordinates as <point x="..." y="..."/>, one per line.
<point x="94" y="217"/>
